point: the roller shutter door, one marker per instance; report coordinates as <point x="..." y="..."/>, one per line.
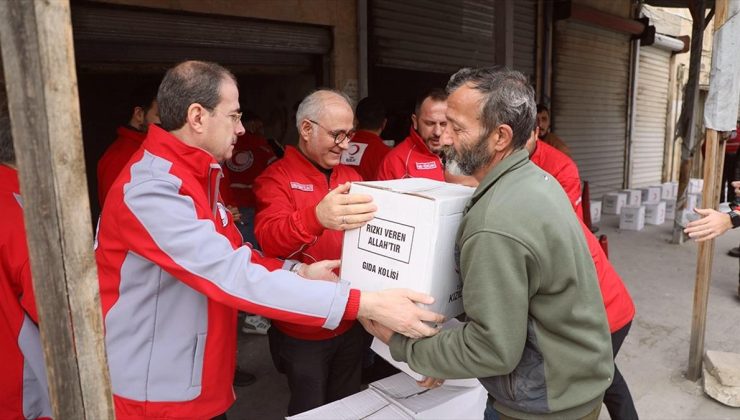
<point x="525" y="37"/>
<point x="589" y="109"/>
<point x="650" y="118"/>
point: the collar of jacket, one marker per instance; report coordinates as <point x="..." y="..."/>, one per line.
<point x="195" y="160"/>
<point x="419" y="144"/>
<point x="512" y="162"/>
<point x="367" y="136"/>
<point x="298" y="160"/>
<point x="130" y="133"/>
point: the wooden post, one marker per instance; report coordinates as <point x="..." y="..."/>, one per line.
<point x="39" y="67"/>
<point x="713" y="163"/>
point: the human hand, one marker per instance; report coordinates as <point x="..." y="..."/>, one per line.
<point x="430" y="383"/>
<point x="321" y="270"/>
<point x="736" y="186"/>
<point x="381" y="332"/>
<point x="339" y="210"/>
<point x="396" y="309"/>
<point x="712" y="224"/>
<point x="235" y="213"/>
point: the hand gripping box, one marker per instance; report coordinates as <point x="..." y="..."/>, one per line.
<point x="411" y="241"/>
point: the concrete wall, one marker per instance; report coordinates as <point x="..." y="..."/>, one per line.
<point x="340" y="15"/>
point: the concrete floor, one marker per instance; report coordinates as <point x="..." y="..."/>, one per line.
<point x="654" y="357"/>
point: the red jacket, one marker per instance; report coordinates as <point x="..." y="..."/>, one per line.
<point x="365" y="153"/>
<point x="252" y="154"/>
<point x="411" y="159"/>
<point x="617" y="301"/>
<point x="286" y="225"/>
<point x="116" y="157"/>
<point x="23" y="389"/>
<point x="172" y="275"/>
<point x="559" y="165"/>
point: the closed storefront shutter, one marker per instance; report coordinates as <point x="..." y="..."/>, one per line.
<point x="589" y="109"/>
<point x="431" y="36"/>
<point x="650" y="118"/>
<point x="525" y="37"/>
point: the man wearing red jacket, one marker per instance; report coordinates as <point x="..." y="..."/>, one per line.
<point x="302" y="211"/>
<point x="620" y="310"/>
<point x="173" y="270"/>
<point x="23" y="389"/>
<point x="418" y="155"/>
<point x="367" y="150"/>
<point x="130" y="137"/>
<point x="559" y="165"/>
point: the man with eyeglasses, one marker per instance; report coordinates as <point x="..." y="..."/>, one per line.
<point x="303" y="207"/>
<point x="418" y="155"/>
<point x="173" y="269"/>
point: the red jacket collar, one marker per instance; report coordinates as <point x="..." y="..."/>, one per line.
<point x="194" y="159"/>
<point x="130" y="134"/>
<point x="296" y="158"/>
<point x="366" y="137"/>
<point x="418" y="143"/>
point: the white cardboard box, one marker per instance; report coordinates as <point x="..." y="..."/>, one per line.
<point x="634" y="197"/>
<point x="411" y="241"/>
<point x="655" y="213"/>
<point x="666" y="190"/>
<point x="670" y="209"/>
<point x="632" y="218"/>
<point x="595" y="211"/>
<point x="651" y="195"/>
<point x="675" y="189"/>
<point x="695" y="185"/>
<point x="692" y="201"/>
<point x="612" y="203"/>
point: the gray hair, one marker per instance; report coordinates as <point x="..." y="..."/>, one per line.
<point x="508" y="98"/>
<point x="7" y="152"/>
<point x="312" y="106"/>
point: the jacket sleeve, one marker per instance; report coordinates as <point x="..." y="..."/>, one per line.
<point x="571" y="183"/>
<point x="391" y="167"/>
<point x="280" y="229"/>
<point x="191" y="250"/>
<point x="28" y="299"/>
<point x="496" y="295"/>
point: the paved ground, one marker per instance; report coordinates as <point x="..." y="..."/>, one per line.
<point x="654" y="357"/>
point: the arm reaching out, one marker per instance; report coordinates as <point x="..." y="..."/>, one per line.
<point x="712" y="224"/>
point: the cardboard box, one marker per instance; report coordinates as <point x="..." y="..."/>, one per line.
<point x="670" y="209"/>
<point x="695" y="185"/>
<point x="685" y="216"/>
<point x="651" y="195"/>
<point x="632" y="218"/>
<point x="612" y="203"/>
<point x="692" y="201"/>
<point x="675" y="189"/>
<point x="634" y="197"/>
<point x="595" y="211"/>
<point x="655" y="213"/>
<point x="411" y="241"/>
<point x="666" y="190"/>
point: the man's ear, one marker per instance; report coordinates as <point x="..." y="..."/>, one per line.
<point x="414" y="122"/>
<point x="138" y="117"/>
<point x="504" y="137"/>
<point x="306" y="130"/>
<point x="195" y="117"/>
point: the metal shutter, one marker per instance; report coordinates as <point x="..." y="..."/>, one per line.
<point x="431" y="36"/>
<point x="650" y="120"/>
<point x="525" y="37"/>
<point x="589" y="110"/>
<point x="119" y="35"/>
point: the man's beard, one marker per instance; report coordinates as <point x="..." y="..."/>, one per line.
<point x="469" y="160"/>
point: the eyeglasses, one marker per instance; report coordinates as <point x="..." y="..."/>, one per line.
<point x="339" y="135"/>
<point x="235" y="116"/>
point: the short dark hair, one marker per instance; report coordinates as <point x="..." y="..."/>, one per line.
<point x="7" y="151"/>
<point x="188" y="83"/>
<point x="143" y="95"/>
<point x="508" y="98"/>
<point x="436" y="94"/>
<point x="370" y="113"/>
<point x="541" y="108"/>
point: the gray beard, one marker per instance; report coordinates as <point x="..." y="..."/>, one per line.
<point x="469" y="160"/>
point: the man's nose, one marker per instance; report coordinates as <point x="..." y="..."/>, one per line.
<point x="240" y="129"/>
<point x="446" y="137"/>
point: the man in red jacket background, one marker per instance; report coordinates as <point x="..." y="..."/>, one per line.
<point x="418" y="155"/>
<point x="23" y="390"/>
<point x="366" y="150"/>
<point x="302" y="211"/>
<point x="145" y="111"/>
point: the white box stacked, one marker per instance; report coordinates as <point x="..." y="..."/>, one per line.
<point x="695" y="186"/>
<point x="675" y="189"/>
<point x="612" y="203"/>
<point x="399" y="397"/>
<point x="651" y="195"/>
<point x="634" y="197"/>
<point x="666" y="190"/>
<point x="410" y="242"/>
<point x="692" y="201"/>
<point x="632" y="218"/>
<point x="595" y="211"/>
<point x="655" y="213"/>
<point x="670" y="209"/>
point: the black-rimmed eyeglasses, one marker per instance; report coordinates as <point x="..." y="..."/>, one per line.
<point x="339" y="135"/>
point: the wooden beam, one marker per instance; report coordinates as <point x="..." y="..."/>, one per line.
<point x="713" y="163"/>
<point x="39" y="66"/>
